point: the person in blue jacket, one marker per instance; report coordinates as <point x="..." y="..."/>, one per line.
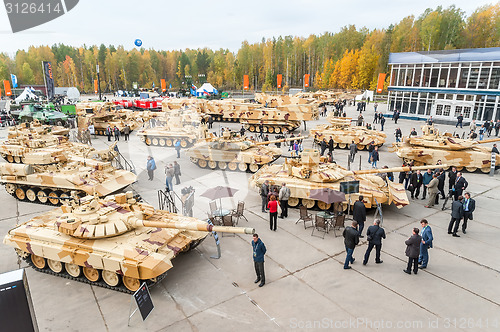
<point x="150" y="166"/>
<point x="259" y="250"/>
<point x="426" y="243"/>
<point x="177" y="147"/>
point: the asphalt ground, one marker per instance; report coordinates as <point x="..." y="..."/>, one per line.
<point x="306" y="285"/>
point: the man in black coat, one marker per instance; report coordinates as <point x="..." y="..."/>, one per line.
<point x="374" y="234"/>
<point x="457" y="213"/>
<point x="351" y="239"/>
<point x="416" y="181"/>
<point x="460" y="185"/>
<point x="452" y="176"/>
<point x="441" y="178"/>
<point x="331" y="143"/>
<point x="359" y="214"/>
<point x="469" y="207"/>
<point x="323" y="145"/>
<point x="264" y="191"/>
<point x="412" y="251"/>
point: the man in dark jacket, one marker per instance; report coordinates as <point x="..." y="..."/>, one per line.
<point x="374" y="234"/>
<point x="452" y="176"/>
<point x="441" y="178"/>
<point x="353" y="148"/>
<point x="426" y="243"/>
<point x="416" y="182"/>
<point x="109" y="132"/>
<point x="126" y="132"/>
<point x="259" y="250"/>
<point x="351" y="239"/>
<point x="331" y="143"/>
<point x="457" y="212"/>
<point x="382" y="122"/>
<point x="412" y="248"/>
<point x="460" y="185"/>
<point x="323" y="146"/>
<point x="264" y="191"/>
<point x="426" y="178"/>
<point x="359" y="214"/>
<point x="469" y="207"/>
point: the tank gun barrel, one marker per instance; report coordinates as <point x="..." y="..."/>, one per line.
<point x="193" y="226"/>
<point x="282" y="140"/>
<point x="397" y="169"/>
<point x="490" y="140"/>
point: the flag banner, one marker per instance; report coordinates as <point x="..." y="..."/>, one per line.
<point x="96" y="88"/>
<point x="13" y="78"/>
<point x="49" y="79"/>
<point x="380" y="83"/>
<point x="246" y="83"/>
<point x="0" y="93"/>
<point x="306" y="80"/>
<point x="163" y="85"/>
<point x="6" y="86"/>
<point x="279" y="80"/>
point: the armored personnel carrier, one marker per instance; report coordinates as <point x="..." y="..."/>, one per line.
<point x="54" y="183"/>
<point x="234" y="153"/>
<point x="433" y="146"/>
<point x="114" y="242"/>
<point x="308" y="173"/>
<point x="343" y="134"/>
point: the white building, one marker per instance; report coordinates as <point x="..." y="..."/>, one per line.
<point x="445" y="84"/>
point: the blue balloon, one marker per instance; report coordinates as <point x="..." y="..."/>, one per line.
<point x="138" y="42"/>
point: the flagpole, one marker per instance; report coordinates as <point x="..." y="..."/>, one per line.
<point x="45" y="81"/>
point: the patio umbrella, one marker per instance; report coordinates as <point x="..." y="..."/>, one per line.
<point x="327" y="195"/>
<point x="219" y="192"/>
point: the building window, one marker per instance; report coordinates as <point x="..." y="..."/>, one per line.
<point x="467" y="110"/>
<point x="413" y="107"/>
<point x="473" y="78"/>
<point x="495" y="78"/>
<point x="416" y="80"/>
<point x="462" y="81"/>
<point x="460" y="97"/>
<point x="442" y="77"/>
<point x="426" y="78"/>
<point x="434" y="77"/>
<point x="458" y="111"/>
<point x="469" y="97"/>
<point x="401" y="78"/>
<point x="483" y="78"/>
<point x="452" y="82"/>
<point x="394" y="77"/>
<point x="439" y="109"/>
<point x="409" y="77"/>
<point x="446" y="110"/>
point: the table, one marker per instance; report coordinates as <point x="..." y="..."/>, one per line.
<point x="328" y="217"/>
<point x="221" y="213"/>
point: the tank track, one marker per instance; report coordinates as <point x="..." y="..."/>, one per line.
<point x="37" y="201"/>
<point x="100" y="282"/>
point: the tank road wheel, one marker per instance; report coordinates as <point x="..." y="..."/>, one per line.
<point x="55" y="266"/>
<point x="162" y="142"/>
<point x="184" y="143"/>
<point x="38" y="261"/>
<point x="17" y="159"/>
<point x="485" y="169"/>
<point x="271" y="129"/>
<point x="155" y="141"/>
<point x="10" y="188"/>
<point x="73" y="269"/>
<point x="20" y="194"/>
<point x="308" y="203"/>
<point x="10" y="159"/>
<point x="242" y="167"/>
<point x="65" y="198"/>
<point x="31" y="194"/>
<point x="342" y="145"/>
<point x="202" y="163"/>
<point x="266" y="129"/>
<point x="253" y="168"/>
<point x="110" y="278"/>
<point x="212" y="164"/>
<point x="460" y="168"/>
<point x="3" y="155"/>
<point x="53" y="198"/>
<point x="222" y="165"/>
<point x="42" y="196"/>
<point x="232" y="166"/>
<point x="360" y="146"/>
<point x="132" y="284"/>
<point x="169" y="142"/>
<point x="142" y="138"/>
<point x="277" y="130"/>
<point x="148" y="141"/>
<point x="251" y="128"/>
<point x="323" y="205"/>
<point x="91" y="274"/>
<point x="471" y="169"/>
<point x="293" y="201"/>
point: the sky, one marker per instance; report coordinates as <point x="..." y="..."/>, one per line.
<point x="169" y="25"/>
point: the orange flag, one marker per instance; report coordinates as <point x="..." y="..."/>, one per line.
<point x="95" y="87"/>
<point x="306" y="80"/>
<point x="246" y="83"/>
<point x="279" y="79"/>
<point x="380" y="83"/>
<point x="6" y="85"/>
<point x="163" y="85"/>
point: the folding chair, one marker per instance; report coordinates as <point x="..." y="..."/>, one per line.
<point x="339" y="223"/>
<point x="320" y="224"/>
<point x="228" y="221"/>
<point x="238" y="213"/>
<point x="304" y="216"/>
<point x="213" y="207"/>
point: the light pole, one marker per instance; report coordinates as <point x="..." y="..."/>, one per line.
<point x="98" y="81"/>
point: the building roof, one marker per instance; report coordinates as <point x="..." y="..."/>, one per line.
<point x="470" y="54"/>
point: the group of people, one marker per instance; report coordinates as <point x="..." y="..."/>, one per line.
<point x="171" y="171"/>
<point x="114" y="132"/>
<point x="274" y="200"/>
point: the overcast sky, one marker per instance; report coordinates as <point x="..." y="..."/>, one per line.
<point x="168" y="25"/>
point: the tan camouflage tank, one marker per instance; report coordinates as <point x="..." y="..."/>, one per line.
<point x="433" y="146"/>
<point x="52" y="184"/>
<point x="343" y="134"/>
<point x="114" y="242"/>
<point x="234" y="153"/>
<point x="284" y="100"/>
<point x="183" y="125"/>
<point x="307" y="173"/>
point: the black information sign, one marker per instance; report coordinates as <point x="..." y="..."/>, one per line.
<point x="143" y="300"/>
<point x="349" y="187"/>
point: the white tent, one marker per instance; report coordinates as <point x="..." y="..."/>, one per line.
<point x="367" y="95"/>
<point x="206" y="89"/>
<point x="26" y="95"/>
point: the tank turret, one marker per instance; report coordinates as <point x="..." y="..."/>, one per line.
<point x="116" y="239"/>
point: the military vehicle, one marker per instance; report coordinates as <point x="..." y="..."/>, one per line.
<point x="283" y="100"/>
<point x="433" y="146"/>
<point x="53" y="184"/>
<point x="307" y="173"/>
<point x="115" y="239"/>
<point x="343" y="134"/>
<point x="234" y="153"/>
<point x="45" y="113"/>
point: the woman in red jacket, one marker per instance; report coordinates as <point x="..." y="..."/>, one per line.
<point x="273" y="212"/>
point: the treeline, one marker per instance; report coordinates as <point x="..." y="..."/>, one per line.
<point x="349" y="59"/>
